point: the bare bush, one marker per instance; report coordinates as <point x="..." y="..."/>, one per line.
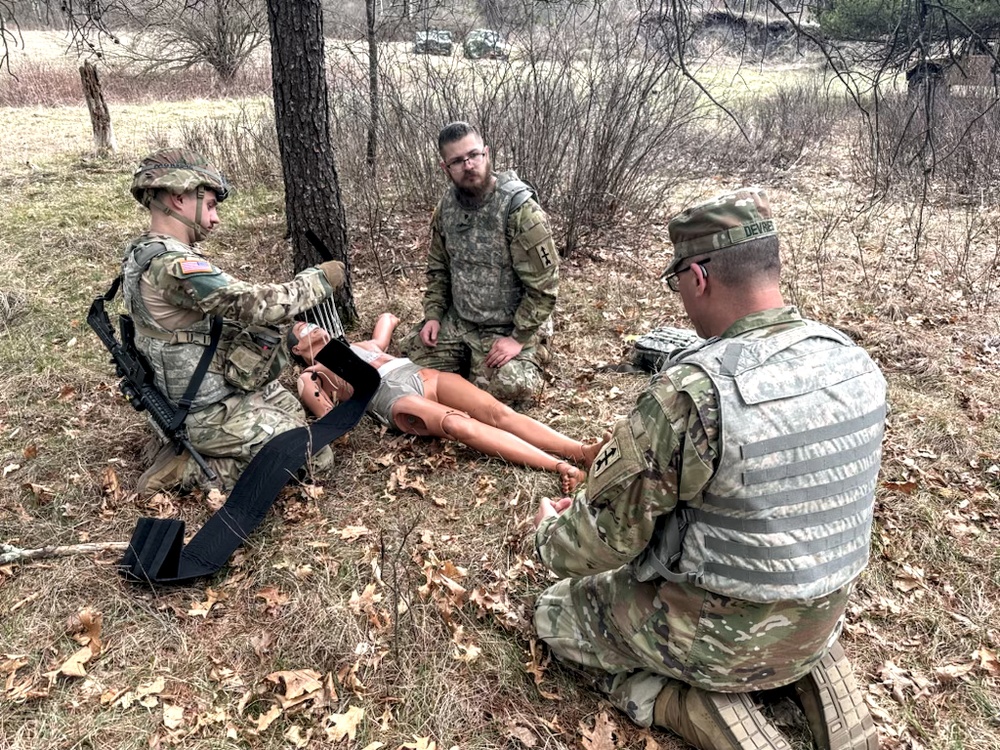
<point x="47" y="84"/>
<point x="767" y="133"/>
<point x="950" y="148"/>
<point x="244" y="146"/>
<point x="586" y="115"/>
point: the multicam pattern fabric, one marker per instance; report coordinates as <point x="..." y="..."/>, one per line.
<point x="726" y="220"/>
<point x="178" y="171"/>
<point x="641" y="633"/>
<point x="230" y="433"/>
<point x="222" y="424"/>
<point x="462" y="347"/>
<point x="485" y="282"/>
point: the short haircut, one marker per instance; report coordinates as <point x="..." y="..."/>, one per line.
<point x="747" y="264"/>
<point x="455" y="131"/>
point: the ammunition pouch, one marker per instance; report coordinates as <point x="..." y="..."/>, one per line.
<point x="256" y="355"/>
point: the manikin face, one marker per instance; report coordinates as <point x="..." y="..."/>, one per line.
<point x="467" y="164"/>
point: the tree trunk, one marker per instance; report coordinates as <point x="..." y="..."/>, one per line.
<point x="100" y="117"/>
<point x="302" y="119"/>
<point x="373" y="96"/>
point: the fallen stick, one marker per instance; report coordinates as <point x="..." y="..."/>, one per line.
<point x="11" y="554"/>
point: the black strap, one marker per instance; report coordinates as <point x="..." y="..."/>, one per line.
<point x="184" y="405"/>
<point x="156" y="553"/>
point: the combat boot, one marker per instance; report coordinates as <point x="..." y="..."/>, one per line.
<point x="715" y="721"/>
<point x="834" y="706"/>
<point x="168" y="471"/>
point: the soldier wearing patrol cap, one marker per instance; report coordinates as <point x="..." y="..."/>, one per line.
<point x="716" y="542"/>
<point x="173" y="292"/>
<point x="492" y="275"/>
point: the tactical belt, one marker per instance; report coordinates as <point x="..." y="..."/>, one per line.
<point x="157" y="554"/>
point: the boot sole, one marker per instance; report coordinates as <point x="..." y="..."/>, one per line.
<point x="836" y="710"/>
<point x="749" y="729"/>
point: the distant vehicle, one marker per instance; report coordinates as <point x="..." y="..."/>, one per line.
<point x="971" y="68"/>
<point x="432" y="42"/>
<point x="486" y="43"/>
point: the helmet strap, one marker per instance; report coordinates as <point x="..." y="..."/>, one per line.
<point x="195" y="226"/>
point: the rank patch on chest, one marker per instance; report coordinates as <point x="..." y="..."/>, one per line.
<point x="196" y="266"/>
<point x="609" y="455"/>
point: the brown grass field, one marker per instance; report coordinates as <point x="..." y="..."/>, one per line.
<point x="389" y="605"/>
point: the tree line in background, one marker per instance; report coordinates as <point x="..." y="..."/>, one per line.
<point x="603" y="105"/>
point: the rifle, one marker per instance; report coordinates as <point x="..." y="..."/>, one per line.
<point x="137" y="383"/>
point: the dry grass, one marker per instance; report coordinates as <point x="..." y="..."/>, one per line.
<point x="420" y="662"/>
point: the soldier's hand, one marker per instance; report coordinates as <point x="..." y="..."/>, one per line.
<point x="429" y="333"/>
<point x="334" y="272"/>
<point x="548" y="508"/>
<point x="504" y="349"/>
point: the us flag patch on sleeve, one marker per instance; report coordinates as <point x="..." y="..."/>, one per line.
<point x="196" y="266"/>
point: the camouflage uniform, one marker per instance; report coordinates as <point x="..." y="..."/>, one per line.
<point x="490" y="274"/>
<point x="645" y="634"/>
<point x="228" y="423"/>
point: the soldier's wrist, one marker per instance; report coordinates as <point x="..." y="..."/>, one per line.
<point x="522" y="337"/>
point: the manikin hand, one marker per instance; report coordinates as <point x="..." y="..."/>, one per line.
<point x="504" y="349"/>
<point x="429" y="333"/>
<point x="548" y="507"/>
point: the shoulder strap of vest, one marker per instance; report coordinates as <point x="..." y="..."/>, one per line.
<point x="147" y="250"/>
<point x="520" y="191"/>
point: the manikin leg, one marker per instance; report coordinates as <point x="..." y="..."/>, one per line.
<point x="458" y="393"/>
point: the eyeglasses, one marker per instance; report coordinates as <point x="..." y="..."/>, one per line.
<point x="473" y="157"/>
<point x="673" y="281"/>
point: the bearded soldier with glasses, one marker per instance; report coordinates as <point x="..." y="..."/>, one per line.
<point x="492" y="275"/>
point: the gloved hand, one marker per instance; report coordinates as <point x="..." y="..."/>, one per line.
<point x="334" y="272"/>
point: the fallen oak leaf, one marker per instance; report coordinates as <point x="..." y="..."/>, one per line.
<point x="300" y="685"/>
<point x="273" y="596"/>
<point x="173" y="716"/>
<point x="345" y="724"/>
<point x="602" y="736"/>
<point x="267" y="718"/>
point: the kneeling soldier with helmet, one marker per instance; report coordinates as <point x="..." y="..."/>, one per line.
<point x="187" y="312"/>
<point x="713" y="549"/>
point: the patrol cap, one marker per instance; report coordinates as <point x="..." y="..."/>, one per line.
<point x="726" y="220"/>
<point x="178" y="171"/>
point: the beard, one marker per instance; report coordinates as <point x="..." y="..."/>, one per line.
<point x="473" y="184"/>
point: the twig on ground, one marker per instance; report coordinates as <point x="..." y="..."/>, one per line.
<point x="11" y="554"/>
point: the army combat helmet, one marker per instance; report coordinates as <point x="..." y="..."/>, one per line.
<point x="178" y="171"/>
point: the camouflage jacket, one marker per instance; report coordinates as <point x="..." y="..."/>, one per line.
<point x="666" y="449"/>
<point x="532" y="258"/>
<point x="172" y="299"/>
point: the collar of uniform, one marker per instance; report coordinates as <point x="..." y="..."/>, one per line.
<point x="763" y="319"/>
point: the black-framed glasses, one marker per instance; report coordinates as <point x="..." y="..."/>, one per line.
<point x="473" y="157"/>
<point x="672" y="280"/>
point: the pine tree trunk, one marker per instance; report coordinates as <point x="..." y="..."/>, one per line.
<point x="301" y="113"/>
<point x="100" y="117"/>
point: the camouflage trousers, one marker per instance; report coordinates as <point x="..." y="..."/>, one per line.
<point x="230" y="433"/>
<point x="638" y="637"/>
<point x="462" y="348"/>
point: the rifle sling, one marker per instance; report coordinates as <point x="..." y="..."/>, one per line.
<point x="156" y="552"/>
<point x="184" y="405"/>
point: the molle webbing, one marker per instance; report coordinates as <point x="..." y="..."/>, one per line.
<point x="799" y="468"/>
<point x="787" y="515"/>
